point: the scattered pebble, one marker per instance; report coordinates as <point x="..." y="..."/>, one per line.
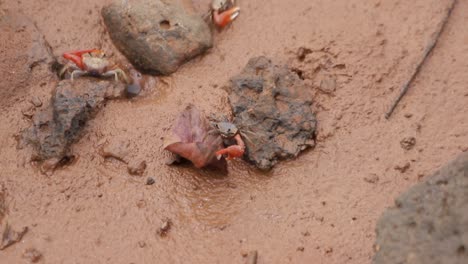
<point x="150" y="181"/>
<point x="403" y="168"/>
<point x="306" y="233"/>
<point x="141" y="244"/>
<point x="48" y="166"/>
<point x="28" y="111"/>
<point x="36" y="101"/>
<point x="136" y="167"/>
<point x="328" y="85"/>
<point x="302" y="53"/>
<point x="300" y="249"/>
<point x="133" y="90"/>
<point x="252" y="257"/>
<point x="408" y="143"/>
<point x="117" y="149"/>
<point x="32" y="254"/>
<point x="373" y="178"/>
<point x="165" y="227"/>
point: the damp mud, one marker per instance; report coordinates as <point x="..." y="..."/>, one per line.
<point x="321" y="207"/>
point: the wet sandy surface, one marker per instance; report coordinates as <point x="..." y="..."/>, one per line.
<point x="320" y="208"/>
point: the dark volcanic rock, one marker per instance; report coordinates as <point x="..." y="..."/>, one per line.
<point x="272" y="109"/>
<point x="73" y="104"/>
<point x="429" y="223"/>
<point x="156" y="36"/>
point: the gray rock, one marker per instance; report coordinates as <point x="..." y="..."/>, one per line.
<point x="429" y="222"/>
<point x="272" y="109"/>
<point x="73" y="103"/>
<point x="156" y="36"/>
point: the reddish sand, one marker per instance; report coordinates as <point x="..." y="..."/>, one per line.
<point x="319" y="208"/>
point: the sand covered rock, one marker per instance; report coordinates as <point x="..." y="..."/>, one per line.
<point x="272" y="109"/>
<point x="58" y="126"/>
<point x="156" y="36"/>
<point x="429" y="222"/>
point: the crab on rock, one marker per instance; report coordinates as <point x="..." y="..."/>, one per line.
<point x="91" y="62"/>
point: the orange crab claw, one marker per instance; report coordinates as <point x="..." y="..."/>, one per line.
<point x="232" y="152"/>
<point x="76" y="56"/>
<point x="226" y="17"/>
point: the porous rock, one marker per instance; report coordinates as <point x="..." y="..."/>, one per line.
<point x="272" y="109"/>
<point x="58" y="126"/>
<point x="429" y="222"/>
<point x="156" y="36"/>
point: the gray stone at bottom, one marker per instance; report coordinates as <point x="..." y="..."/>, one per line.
<point x="429" y="222"/>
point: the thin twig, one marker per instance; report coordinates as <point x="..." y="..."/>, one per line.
<point x="432" y="42"/>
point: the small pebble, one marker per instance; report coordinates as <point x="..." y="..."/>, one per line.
<point x="28" y="111"/>
<point x="165" y="227"/>
<point x="36" y="101"/>
<point x="150" y="181"/>
<point x="141" y="244"/>
<point x="408" y="143"/>
<point x="32" y="254"/>
<point x="118" y="150"/>
<point x="403" y="168"/>
<point x="328" y="85"/>
<point x="136" y="167"/>
<point x="373" y="178"/>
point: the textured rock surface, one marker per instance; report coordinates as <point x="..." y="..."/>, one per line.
<point x="73" y="104"/>
<point x="429" y="223"/>
<point x="156" y="36"/>
<point x="272" y="109"/>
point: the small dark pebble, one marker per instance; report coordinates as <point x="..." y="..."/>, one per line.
<point x="165" y="227"/>
<point x="32" y="254"/>
<point x="408" y="143"/>
<point x="141" y="244"/>
<point x="150" y="181"/>
<point x="300" y="249"/>
<point x="133" y="90"/>
<point x="373" y="178"/>
<point x="403" y="168"/>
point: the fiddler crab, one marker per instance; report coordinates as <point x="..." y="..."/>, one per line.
<point x="228" y="130"/>
<point x="223" y="12"/>
<point x="91" y="62"/>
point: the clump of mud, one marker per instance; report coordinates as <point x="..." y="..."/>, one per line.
<point x="272" y="109"/>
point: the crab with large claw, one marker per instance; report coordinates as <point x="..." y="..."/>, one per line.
<point x="91" y="62"/>
<point x="228" y="130"/>
<point x="223" y="12"/>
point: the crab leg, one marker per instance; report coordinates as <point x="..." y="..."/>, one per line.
<point x="116" y="73"/>
<point x="76" y="73"/>
<point x="235" y="151"/>
<point x="226" y="17"/>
